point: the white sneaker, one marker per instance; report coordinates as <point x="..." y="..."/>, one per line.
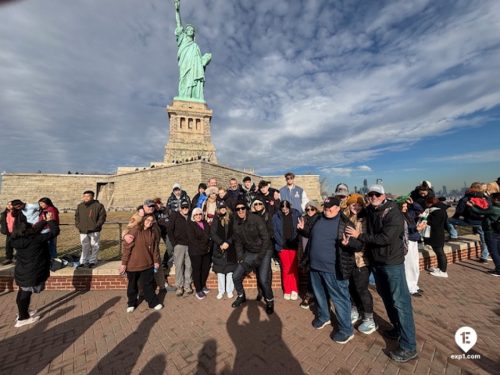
<point x="230" y="295"/>
<point x="130" y="309"/>
<point x="294" y="296"/>
<point x="158" y="307"/>
<point x="31" y="312"/>
<point x="439" y="273"/>
<point x="432" y="269"/>
<point x="287" y="296"/>
<point x="220" y="295"/>
<point x="25" y="322"/>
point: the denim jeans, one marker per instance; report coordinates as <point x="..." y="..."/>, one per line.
<point x="478" y="229"/>
<point x="265" y="276"/>
<point x="250" y="261"/>
<point x="392" y="287"/>
<point x="493" y="241"/>
<point x="326" y="284"/>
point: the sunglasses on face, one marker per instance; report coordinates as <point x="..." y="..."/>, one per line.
<point x="258" y="204"/>
<point x="310" y="209"/>
<point x="240" y="209"/>
<point x="373" y="194"/>
<point x="197" y="214"/>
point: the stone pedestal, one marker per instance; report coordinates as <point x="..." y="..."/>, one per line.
<point x="190" y="133"/>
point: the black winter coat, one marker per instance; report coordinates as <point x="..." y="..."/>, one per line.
<point x="437" y="220"/>
<point x="33" y="256"/>
<point x="223" y="261"/>
<point x="384" y="234"/>
<point x="178" y="230"/>
<point x="199" y="239"/>
<point x="251" y="235"/>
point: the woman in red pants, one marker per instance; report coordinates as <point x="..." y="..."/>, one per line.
<point x="287" y="243"/>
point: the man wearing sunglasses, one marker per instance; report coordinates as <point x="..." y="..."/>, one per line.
<point x="293" y="193"/>
<point x="385" y="248"/>
<point x="252" y="242"/>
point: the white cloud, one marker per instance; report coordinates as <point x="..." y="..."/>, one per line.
<point x="307" y="84"/>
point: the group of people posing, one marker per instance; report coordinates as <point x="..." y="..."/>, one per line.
<point x="339" y="244"/>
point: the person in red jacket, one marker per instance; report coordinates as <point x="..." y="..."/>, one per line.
<point x="47" y="206"/>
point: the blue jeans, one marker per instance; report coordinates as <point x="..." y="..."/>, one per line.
<point x="392" y="287"/>
<point x="326" y="284"/>
<point x="493" y="241"/>
<point x="53" y="248"/>
<point x="265" y="276"/>
<point x="477" y="229"/>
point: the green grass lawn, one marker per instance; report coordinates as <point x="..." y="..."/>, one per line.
<point x="68" y="242"/>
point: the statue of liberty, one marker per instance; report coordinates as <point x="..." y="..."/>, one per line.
<point x="191" y="63"/>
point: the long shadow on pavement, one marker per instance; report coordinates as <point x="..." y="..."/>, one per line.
<point x="38" y="346"/>
<point x="157" y="365"/>
<point x="207" y="358"/>
<point x="260" y="348"/>
<point x="122" y="359"/>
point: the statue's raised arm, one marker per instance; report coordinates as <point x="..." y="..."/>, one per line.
<point x="191" y="63"/>
<point x="177" y="5"/>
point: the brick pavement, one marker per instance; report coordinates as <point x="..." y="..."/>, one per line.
<point x="82" y="333"/>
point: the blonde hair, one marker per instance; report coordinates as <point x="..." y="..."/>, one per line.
<point x="492" y="187"/>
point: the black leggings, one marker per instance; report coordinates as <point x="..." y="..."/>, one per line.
<point x="441" y="258"/>
<point x="23" y="300"/>
<point x="200" y="267"/>
<point x="358" y="288"/>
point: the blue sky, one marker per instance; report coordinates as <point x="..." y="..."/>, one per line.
<point x="398" y="90"/>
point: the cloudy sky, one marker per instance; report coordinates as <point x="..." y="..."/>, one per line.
<point x="398" y="90"/>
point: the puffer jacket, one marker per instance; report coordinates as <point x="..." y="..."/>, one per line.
<point x="33" y="256"/>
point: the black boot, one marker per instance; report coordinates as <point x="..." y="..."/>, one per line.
<point x="259" y="295"/>
<point x="269" y="307"/>
<point x="239" y="301"/>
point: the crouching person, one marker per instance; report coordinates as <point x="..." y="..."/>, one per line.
<point x="252" y="241"/>
<point x="140" y="259"/>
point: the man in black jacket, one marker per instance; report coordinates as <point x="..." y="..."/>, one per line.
<point x="252" y="242"/>
<point x="384" y="241"/>
<point x="178" y="234"/>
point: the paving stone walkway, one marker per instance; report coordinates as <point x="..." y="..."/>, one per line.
<point x="90" y="333"/>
